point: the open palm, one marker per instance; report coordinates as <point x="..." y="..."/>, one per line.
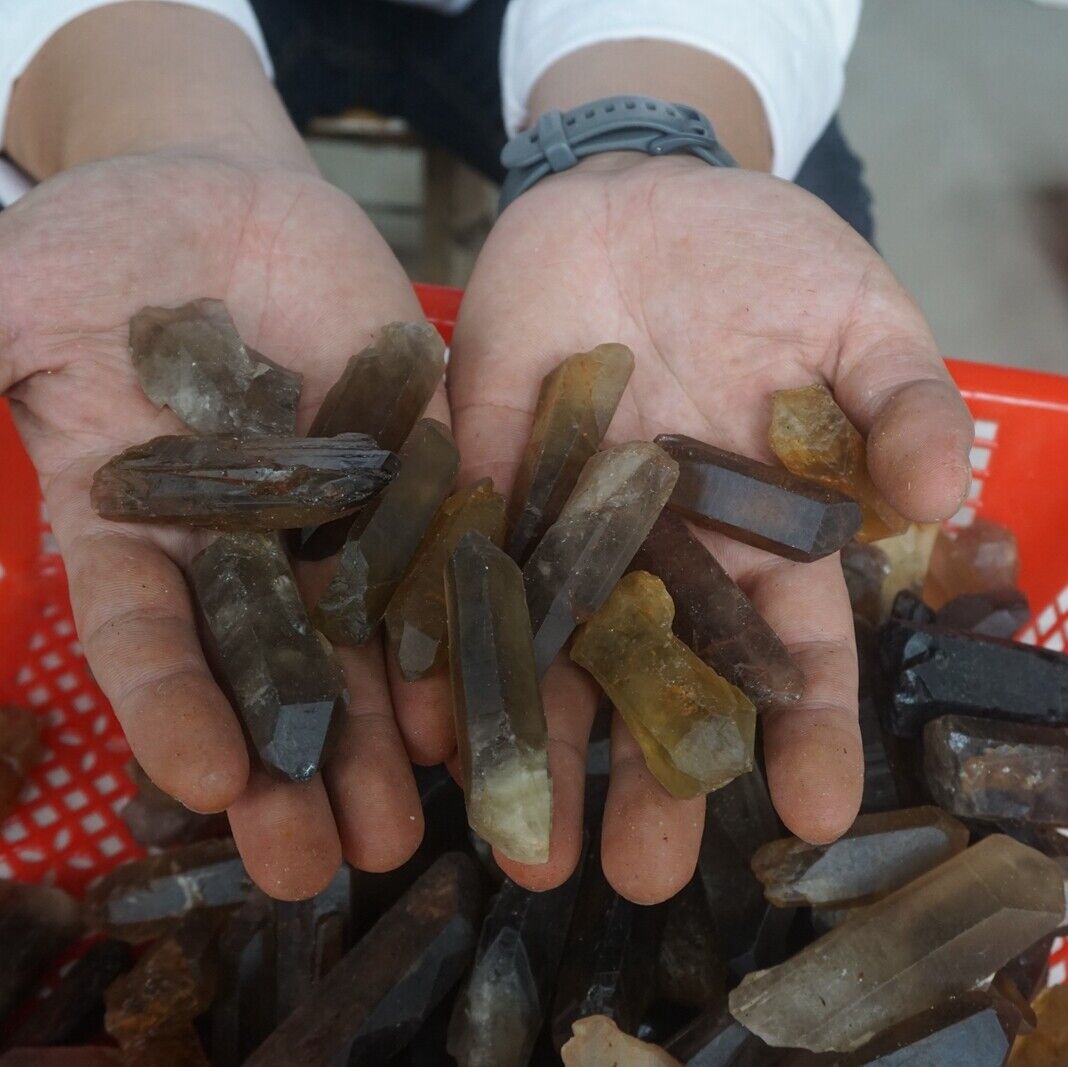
<point x="727" y="285"/>
<point x="308" y="282"/>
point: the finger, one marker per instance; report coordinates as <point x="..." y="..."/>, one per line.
<point x="812" y="750"/>
<point x="570" y="699"/>
<point x="286" y="835"/>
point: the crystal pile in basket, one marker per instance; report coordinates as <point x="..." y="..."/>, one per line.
<point x="779" y="952"/>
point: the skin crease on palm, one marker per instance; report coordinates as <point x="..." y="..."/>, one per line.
<point x="726" y="284"/>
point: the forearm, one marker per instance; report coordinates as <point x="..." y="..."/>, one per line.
<point x="192" y="79"/>
<point x="667" y="71"/>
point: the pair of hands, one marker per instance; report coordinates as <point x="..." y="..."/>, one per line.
<point x="726" y="284"/>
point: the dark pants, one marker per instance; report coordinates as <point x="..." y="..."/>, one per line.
<point x="440" y="73"/>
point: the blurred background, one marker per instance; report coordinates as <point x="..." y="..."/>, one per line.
<point x="957" y="108"/>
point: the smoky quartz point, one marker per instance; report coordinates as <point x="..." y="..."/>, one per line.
<point x="978" y="558"/>
<point x="416" y="617"/>
<point x="909" y="554"/>
<point x="695" y="729"/>
<point x="998" y="771"/>
<point x="575" y="406"/>
<point x="235" y="483"/>
<point x="385" y="536"/>
<point x="758" y="504"/>
<point x="585" y="552"/>
<point x="192" y="360"/>
<point x="282" y="674"/>
<point x="500" y="725"/>
<point x="376" y="998"/>
<point x="20" y="749"/>
<point x="934" y="938"/>
<point x="876" y="855"/>
<point x="716" y="619"/>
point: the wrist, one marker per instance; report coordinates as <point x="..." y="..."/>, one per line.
<point x="194" y="82"/>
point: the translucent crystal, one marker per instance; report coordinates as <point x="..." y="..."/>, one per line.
<point x="866" y="568"/>
<point x="909" y="554"/>
<point x="974" y="559"/>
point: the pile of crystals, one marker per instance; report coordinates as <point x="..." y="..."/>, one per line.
<point x="920" y="936"/>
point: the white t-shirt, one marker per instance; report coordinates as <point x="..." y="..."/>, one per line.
<point x="793" y="51"/>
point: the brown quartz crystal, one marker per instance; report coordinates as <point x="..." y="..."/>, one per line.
<point x="585" y="552"/>
<point x="386" y="534"/>
<point x="575" y="406"/>
<point x="416" y="616"/>
<point x="876" y="855"/>
<point x="695" y="729"/>
<point x="716" y="619"/>
<point x="758" y="504"/>
<point x="866" y="568"/>
<point x="936" y="937"/>
<point x="975" y="559"/>
<point x="810" y="433"/>
<point x="598" y="1042"/>
<point x="192" y="360"/>
<point x="20" y="749"/>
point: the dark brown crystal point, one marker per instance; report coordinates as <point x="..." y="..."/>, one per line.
<point x="385" y="536"/>
<point x="20" y="749"/>
<point x="575" y="406"/>
<point x="758" y="504"/>
<point x="283" y="677"/>
<point x="375" y="1000"/>
<point x="716" y="619"/>
<point x="999" y="613"/>
<point x="997" y="771"/>
<point x="382" y="392"/>
<point x="585" y="552"/>
<point x="235" y="483"/>
<point x="192" y="360"/>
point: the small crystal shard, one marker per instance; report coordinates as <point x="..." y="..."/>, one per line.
<point x="598" y="1042"/>
<point x="909" y="554"/>
<point x="575" y="406"/>
<point x="813" y="438"/>
<point x="585" y="552"/>
<point x="377" y="997"/>
<point x="500" y="1010"/>
<point x="974" y="559"/>
<point x="933" y="672"/>
<point x="979" y="769"/>
<point x="20" y="749"/>
<point x="74" y="1010"/>
<point x="758" y="504"/>
<point x="139" y="900"/>
<point x="999" y="613"/>
<point x="878" y="854"/>
<point x="156" y="819"/>
<point x="500" y="725"/>
<point x="695" y="729"/>
<point x="610" y="957"/>
<point x="235" y="483"/>
<point x="192" y="360"/>
<point x="866" y="568"/>
<point x="416" y="614"/>
<point x="936" y="937"/>
<point x="284" y="680"/>
<point x="36" y="924"/>
<point x="1048" y="1045"/>
<point x="716" y="619"/>
<point x="382" y="391"/>
<point x="385" y="536"/>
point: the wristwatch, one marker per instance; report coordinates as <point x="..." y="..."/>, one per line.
<point x="559" y="139"/>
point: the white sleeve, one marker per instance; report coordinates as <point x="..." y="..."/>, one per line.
<point x="792" y="51"/>
<point x="26" y="25"/>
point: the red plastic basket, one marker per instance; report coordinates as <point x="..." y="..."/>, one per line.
<point x="67" y="828"/>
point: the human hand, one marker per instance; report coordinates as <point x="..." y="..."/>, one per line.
<point x="727" y="285"/>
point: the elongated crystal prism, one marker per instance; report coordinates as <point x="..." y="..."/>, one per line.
<point x="385" y="536"/>
<point x="978" y="558"/>
<point x="715" y="618"/>
<point x="876" y="855"/>
<point x="690" y="969"/>
<point x="20" y="749"/>
<point x="416" y="615"/>
<point x="598" y="1042"/>
<point x="813" y="438"/>
<point x="934" y="938"/>
<point x="283" y="676"/>
<point x="235" y="483"/>
<point x="585" y="552"/>
<point x="500" y="724"/>
<point x="575" y="406"/>
<point x="192" y="360"/>
<point x="758" y="504"/>
<point x="980" y="769"/>
<point x="695" y="729"/>
<point x="999" y="613"/>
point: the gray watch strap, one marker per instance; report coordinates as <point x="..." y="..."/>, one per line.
<point x="560" y="139"/>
